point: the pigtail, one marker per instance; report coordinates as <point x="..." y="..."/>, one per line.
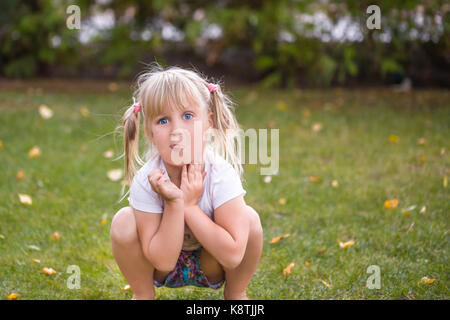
<point x="130" y="124"/>
<point x="227" y="128"/>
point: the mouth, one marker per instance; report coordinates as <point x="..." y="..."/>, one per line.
<point x="176" y="146"/>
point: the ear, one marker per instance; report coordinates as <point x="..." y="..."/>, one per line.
<point x="211" y="120"/>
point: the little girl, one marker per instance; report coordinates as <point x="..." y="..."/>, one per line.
<point x="187" y="223"/>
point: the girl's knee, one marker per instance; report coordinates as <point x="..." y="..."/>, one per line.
<point x="123" y="227"/>
<point x="255" y="221"/>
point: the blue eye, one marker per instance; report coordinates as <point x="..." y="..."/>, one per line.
<point x="160" y="121"/>
<point x="188" y="114"/>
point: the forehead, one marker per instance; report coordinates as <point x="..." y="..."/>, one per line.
<point x="168" y="99"/>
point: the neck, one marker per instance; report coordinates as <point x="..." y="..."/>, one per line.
<point x="174" y="172"/>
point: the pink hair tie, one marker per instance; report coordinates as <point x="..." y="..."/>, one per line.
<point x="137" y="107"/>
<point x="212" y="87"/>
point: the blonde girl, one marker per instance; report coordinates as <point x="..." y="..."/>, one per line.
<point x="187" y="223"/>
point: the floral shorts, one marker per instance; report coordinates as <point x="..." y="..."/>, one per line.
<point x="187" y="272"/>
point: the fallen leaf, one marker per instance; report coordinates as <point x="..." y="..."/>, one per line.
<point x="282" y="201"/>
<point x="445" y="182"/>
<point x="13" y="296"/>
<point x="316" y="127"/>
<point x="84" y="111"/>
<point x="308" y="263"/>
<point x="112" y="86"/>
<point x="33" y="247"/>
<point x="49" y="271"/>
<point x="288" y="269"/>
<point x="36" y="260"/>
<point x="422" y="158"/>
<point x="277" y="239"/>
<point x="320" y="251"/>
<point x="126" y="287"/>
<point x="306" y="113"/>
<point x="55" y="236"/>
<point x="326" y="284"/>
<point x="2" y="236"/>
<point x="281" y="106"/>
<point x="421" y="141"/>
<point x="335" y="183"/>
<point x="45" y="111"/>
<point x="108" y="153"/>
<point x="407" y="211"/>
<point x="393" y="139"/>
<point x="314" y="179"/>
<point x="104" y="219"/>
<point x="267" y="179"/>
<point x="441" y="153"/>
<point x="25" y="199"/>
<point x="20" y="175"/>
<point x="1" y="144"/>
<point x="115" y="174"/>
<point x="427" y="280"/>
<point x="34" y="152"/>
<point x="347" y="244"/>
<point x="423" y="210"/>
<point x="391" y="204"/>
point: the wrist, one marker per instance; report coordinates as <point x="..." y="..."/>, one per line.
<point x="175" y="202"/>
<point x="190" y="207"/>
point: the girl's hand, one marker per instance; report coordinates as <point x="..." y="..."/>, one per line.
<point x="192" y="183"/>
<point x="163" y="186"/>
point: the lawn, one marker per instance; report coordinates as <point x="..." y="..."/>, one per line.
<point x="376" y="144"/>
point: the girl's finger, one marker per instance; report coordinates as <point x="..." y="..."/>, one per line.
<point x="191" y="173"/>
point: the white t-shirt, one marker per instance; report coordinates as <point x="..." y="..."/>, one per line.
<point x="221" y="184"/>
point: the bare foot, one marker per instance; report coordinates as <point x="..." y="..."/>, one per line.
<point x="239" y="296"/>
<point x="150" y="297"/>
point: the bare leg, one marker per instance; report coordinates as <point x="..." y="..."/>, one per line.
<point x="238" y="279"/>
<point x="137" y="270"/>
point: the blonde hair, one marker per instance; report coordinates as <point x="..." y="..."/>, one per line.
<point x="158" y="89"/>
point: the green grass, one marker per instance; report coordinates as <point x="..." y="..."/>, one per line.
<point x="71" y="193"/>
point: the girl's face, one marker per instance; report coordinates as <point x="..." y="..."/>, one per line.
<point x="179" y="135"/>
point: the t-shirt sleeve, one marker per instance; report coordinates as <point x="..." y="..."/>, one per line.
<point x="226" y="185"/>
<point x="143" y="197"/>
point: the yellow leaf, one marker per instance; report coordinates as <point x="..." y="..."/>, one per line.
<point x="422" y="158"/>
<point x="1" y="144"/>
<point x="335" y="183"/>
<point x="45" y="111"/>
<point x="288" y="269"/>
<point x="308" y="263"/>
<point x="320" y="251"/>
<point x="391" y="204"/>
<point x="48" y="271"/>
<point x="281" y="106"/>
<point x="393" y="139"/>
<point x="115" y="174"/>
<point x="25" y="199"/>
<point x="277" y="239"/>
<point x="104" y="219"/>
<point x="314" y="179"/>
<point x="421" y="141"/>
<point x="84" y="111"/>
<point x="427" y="280"/>
<point x="441" y="153"/>
<point x="326" y="283"/>
<point x="20" y="174"/>
<point x="13" y="296"/>
<point x="316" y="127"/>
<point x="36" y="260"/>
<point x="445" y="182"/>
<point x="34" y="152"/>
<point x="423" y="210"/>
<point x="347" y="244"/>
<point x="282" y="201"/>
<point x="55" y="236"/>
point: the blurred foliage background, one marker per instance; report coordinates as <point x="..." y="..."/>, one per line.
<point x="277" y="43"/>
